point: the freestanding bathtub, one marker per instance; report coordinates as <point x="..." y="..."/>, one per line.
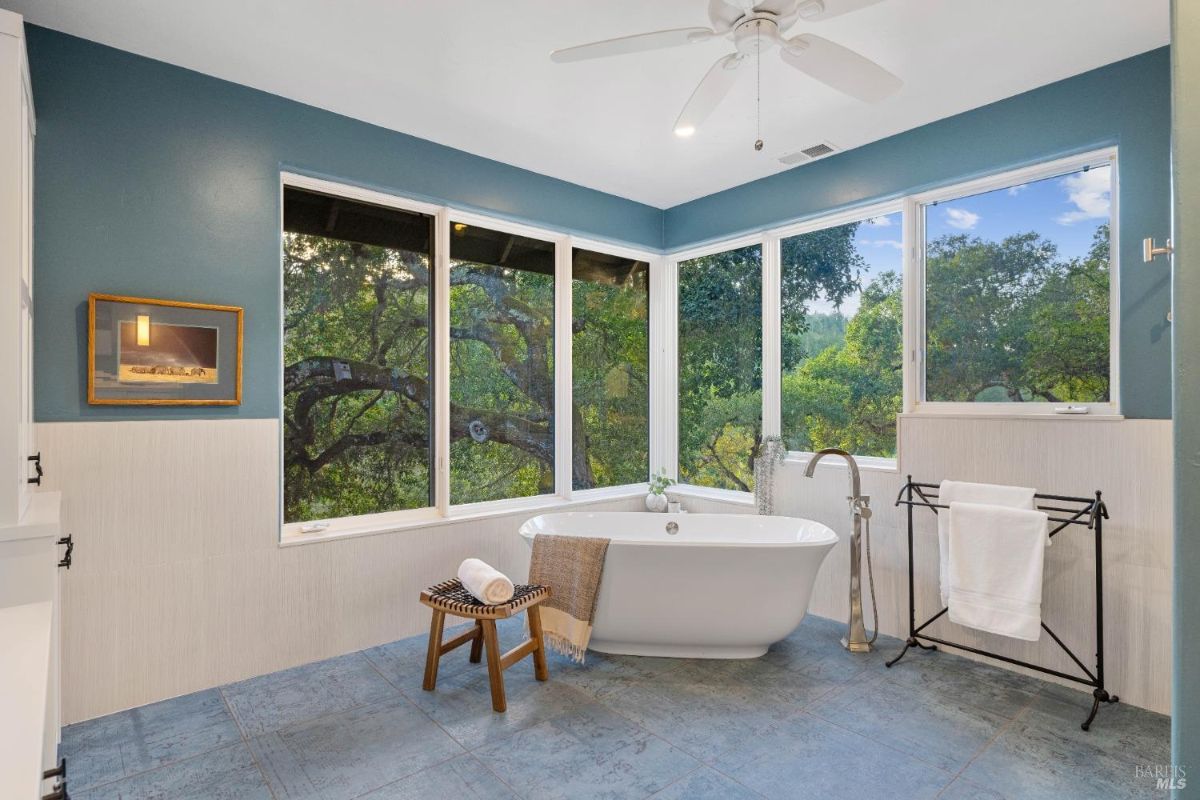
<point x="715" y="586"/>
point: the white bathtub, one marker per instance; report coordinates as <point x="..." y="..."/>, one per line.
<point x="723" y="586"/>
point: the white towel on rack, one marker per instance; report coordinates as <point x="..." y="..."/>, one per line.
<point x="963" y="492"/>
<point x="996" y="558"/>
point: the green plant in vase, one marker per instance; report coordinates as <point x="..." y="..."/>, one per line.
<point x="656" y="500"/>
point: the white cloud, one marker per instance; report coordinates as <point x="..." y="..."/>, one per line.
<point x="893" y="243"/>
<point x="1090" y="193"/>
<point x="961" y="218"/>
<point x="880" y="222"/>
<point x="1013" y="191"/>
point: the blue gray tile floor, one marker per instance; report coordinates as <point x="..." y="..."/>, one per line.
<point x="808" y="720"/>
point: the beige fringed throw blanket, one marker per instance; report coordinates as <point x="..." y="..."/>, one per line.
<point x="571" y="566"/>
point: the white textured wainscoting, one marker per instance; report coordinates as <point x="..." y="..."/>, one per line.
<point x="179" y="583"/>
<point x="1130" y="461"/>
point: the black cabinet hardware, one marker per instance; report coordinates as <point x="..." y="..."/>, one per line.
<point x="59" y="771"/>
<point x="37" y="466"/>
<point x="66" y="559"/>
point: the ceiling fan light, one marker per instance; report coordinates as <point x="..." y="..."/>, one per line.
<point x="684" y="131"/>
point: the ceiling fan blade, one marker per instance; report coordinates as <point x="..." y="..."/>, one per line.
<point x="709" y="94"/>
<point x="624" y="45"/>
<point x="840" y="67"/>
<point x="816" y="10"/>
<point x="724" y="13"/>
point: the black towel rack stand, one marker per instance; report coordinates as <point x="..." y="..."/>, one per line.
<point x="1063" y="512"/>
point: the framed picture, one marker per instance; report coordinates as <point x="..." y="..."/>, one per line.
<point x="163" y="352"/>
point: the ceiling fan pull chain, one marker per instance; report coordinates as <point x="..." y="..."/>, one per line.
<point x="758" y="142"/>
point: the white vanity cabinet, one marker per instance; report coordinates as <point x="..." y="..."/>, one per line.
<point x="30" y="554"/>
<point x="31" y="545"/>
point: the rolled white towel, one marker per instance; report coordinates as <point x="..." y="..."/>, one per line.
<point x="487" y="583"/>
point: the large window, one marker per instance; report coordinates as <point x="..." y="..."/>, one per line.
<point x="428" y="353"/>
<point x="435" y="358"/>
<point x="841" y="336"/>
<point x="720" y="368"/>
<point x="1017" y="291"/>
<point x="610" y="370"/>
<point x="357" y="393"/>
<point x="501" y="365"/>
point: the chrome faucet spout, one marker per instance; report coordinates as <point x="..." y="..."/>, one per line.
<point x="855" y="481"/>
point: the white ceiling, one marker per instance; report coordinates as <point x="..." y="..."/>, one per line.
<point x="475" y="74"/>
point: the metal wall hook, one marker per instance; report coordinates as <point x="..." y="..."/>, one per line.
<point x="1149" y="251"/>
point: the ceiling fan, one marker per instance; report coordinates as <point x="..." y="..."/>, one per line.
<point x="755" y="27"/>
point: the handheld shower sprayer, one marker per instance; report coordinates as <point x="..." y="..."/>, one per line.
<point x="856" y="640"/>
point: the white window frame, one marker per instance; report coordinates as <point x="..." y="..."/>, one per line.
<point x="669" y="339"/>
<point x="772" y="324"/>
<point x="654" y="420"/>
<point x="665" y="328"/>
<point x="915" y="402"/>
<point x="443" y="511"/>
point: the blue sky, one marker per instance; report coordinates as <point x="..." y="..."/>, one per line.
<point x="1065" y="210"/>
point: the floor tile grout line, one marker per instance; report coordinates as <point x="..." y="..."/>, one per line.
<point x="139" y="773"/>
<point x="253" y="756"/>
<point x="702" y="763"/>
<point x="881" y="742"/>
<point x="414" y="704"/>
<point x="986" y="745"/>
<point x="401" y="694"/>
<point x="723" y="773"/>
<point x="466" y="750"/>
<point x="680" y="779"/>
<point x="836" y="687"/>
<point x="899" y="684"/>
<point x="472" y="752"/>
<point x="121" y="755"/>
<point x="322" y="715"/>
<point x="699" y="768"/>
<point x="497" y="775"/>
<point x="591" y="698"/>
<point x="435" y="765"/>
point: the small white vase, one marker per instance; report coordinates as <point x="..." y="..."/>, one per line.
<point x="656" y="502"/>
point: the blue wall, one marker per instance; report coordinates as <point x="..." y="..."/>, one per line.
<point x="1127" y="104"/>
<point x="156" y="181"/>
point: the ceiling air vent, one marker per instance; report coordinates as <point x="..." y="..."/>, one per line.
<point x="818" y="150"/>
<point x="807" y="154"/>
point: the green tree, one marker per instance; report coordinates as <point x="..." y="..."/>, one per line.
<point x="720" y="344"/>
<point x="1069" y="335"/>
<point x="611" y="391"/>
<point x="720" y="367"/>
<point x="1010" y="321"/>
<point x="357" y="389"/>
<point x="849" y="394"/>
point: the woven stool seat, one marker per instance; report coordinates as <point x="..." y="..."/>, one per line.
<point x="453" y="598"/>
<point x="450" y="597"/>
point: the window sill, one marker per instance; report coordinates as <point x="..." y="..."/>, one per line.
<point x="731" y="496"/>
<point x="865" y="463"/>
<point x="291" y="537"/>
<point x="933" y="412"/>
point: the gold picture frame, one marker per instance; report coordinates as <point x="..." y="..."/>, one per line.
<point x="176" y="361"/>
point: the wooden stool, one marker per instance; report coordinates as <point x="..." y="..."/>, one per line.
<point x="450" y="597"/>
